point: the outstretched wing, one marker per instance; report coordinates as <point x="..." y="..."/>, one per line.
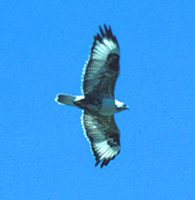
<point x="102" y="68"/>
<point x="103" y="135"/>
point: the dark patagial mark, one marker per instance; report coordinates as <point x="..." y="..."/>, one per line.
<point x="113" y="140"/>
<point x="113" y="61"/>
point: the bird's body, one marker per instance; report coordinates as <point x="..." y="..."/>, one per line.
<point x="98" y="99"/>
<point x="108" y="106"/>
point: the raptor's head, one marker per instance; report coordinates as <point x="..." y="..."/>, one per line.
<point x="121" y="106"/>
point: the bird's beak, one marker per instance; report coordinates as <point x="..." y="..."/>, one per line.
<point x="127" y="107"/>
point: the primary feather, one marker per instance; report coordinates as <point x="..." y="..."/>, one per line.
<point x="102" y="68"/>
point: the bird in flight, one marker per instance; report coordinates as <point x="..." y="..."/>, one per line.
<point x="98" y="99"/>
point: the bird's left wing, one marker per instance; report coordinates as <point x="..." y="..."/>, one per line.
<point x="103" y="135"/>
<point x="102" y="68"/>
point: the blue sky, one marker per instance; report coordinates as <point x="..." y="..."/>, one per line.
<point x="43" y="153"/>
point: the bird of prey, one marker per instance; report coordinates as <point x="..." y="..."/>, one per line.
<point x="98" y="99"/>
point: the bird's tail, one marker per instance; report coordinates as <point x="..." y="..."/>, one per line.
<point x="65" y="99"/>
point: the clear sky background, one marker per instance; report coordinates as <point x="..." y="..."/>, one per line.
<point x="43" y="153"/>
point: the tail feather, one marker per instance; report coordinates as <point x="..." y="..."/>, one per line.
<point x="65" y="99"/>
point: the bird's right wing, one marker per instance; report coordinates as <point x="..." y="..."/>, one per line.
<point x="103" y="135"/>
<point x="102" y="69"/>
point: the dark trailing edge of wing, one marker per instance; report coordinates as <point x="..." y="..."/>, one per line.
<point x="113" y="61"/>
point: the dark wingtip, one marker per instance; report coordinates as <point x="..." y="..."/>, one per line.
<point x="97" y="163"/>
<point x="101" y="31"/>
<point x="105" y="163"/>
<point x="105" y="28"/>
<point x="105" y="31"/>
<point x="98" y="37"/>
